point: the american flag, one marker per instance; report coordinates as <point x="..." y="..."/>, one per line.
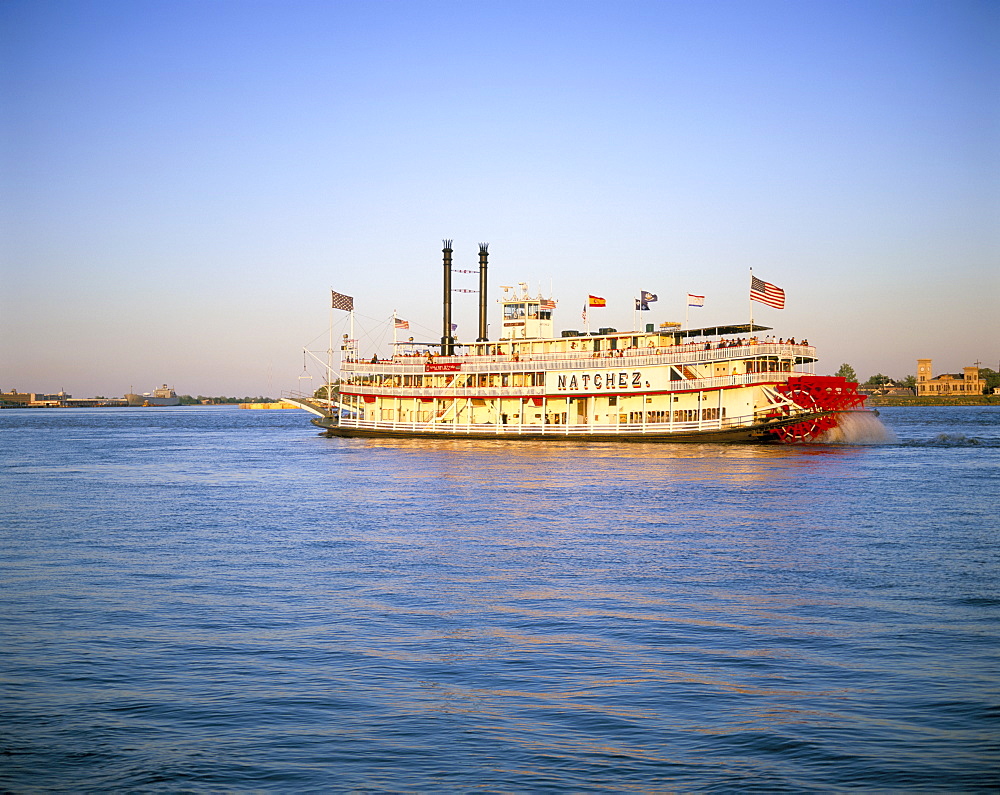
<point x="398" y="322"/>
<point x="547" y="303"/>
<point x="344" y="302"/>
<point x="766" y="293"/>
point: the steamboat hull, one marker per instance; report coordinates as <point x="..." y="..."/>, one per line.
<point x="773" y="432"/>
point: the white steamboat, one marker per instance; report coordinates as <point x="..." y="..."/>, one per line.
<point x="666" y="384"/>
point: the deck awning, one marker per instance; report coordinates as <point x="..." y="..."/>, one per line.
<point x="720" y="331"/>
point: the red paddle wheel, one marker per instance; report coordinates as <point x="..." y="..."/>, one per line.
<point x="819" y="393"/>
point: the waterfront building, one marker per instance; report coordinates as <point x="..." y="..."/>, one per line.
<point x="34" y="399"/>
<point x="968" y="382"/>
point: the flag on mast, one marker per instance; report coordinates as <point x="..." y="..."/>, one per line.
<point x="343" y="302"/>
<point x="643" y="301"/>
<point x="398" y="322"/>
<point x="766" y="293"/>
<point x="596" y="300"/>
<point x="696" y="300"/>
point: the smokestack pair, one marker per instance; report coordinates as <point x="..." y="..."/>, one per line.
<point x="447" y="339"/>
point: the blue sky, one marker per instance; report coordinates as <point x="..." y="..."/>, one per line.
<point x="184" y="182"/>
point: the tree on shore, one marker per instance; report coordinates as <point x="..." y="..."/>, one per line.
<point x="188" y="400"/>
<point x="846" y="371"/>
<point x="879" y="380"/>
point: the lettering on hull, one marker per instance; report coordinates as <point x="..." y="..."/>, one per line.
<point x="595" y="381"/>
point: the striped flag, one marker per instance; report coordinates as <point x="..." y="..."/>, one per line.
<point x="547" y="303"/>
<point x="766" y="293"/>
<point x="696" y="300"/>
<point x="398" y="322"/>
<point x="596" y="300"/>
<point x="344" y="302"/>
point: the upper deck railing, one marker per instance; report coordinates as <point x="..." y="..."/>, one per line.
<point x="691" y="354"/>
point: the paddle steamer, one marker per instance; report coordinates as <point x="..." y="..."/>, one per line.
<point x="717" y="384"/>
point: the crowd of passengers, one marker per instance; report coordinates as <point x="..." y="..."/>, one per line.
<point x="736" y="342"/>
<point x="740" y="341"/>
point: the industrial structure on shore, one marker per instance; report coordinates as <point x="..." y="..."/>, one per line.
<point x="16" y="399"/>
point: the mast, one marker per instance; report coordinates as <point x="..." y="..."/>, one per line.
<point x="329" y="363"/>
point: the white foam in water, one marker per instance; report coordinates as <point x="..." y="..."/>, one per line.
<point x="954" y="439"/>
<point x="858" y="427"/>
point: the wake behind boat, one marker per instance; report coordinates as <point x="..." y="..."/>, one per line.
<point x="715" y="384"/>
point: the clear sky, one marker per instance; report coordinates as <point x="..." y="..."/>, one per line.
<point x="182" y="183"/>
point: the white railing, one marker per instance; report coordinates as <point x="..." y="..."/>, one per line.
<point x="580" y="430"/>
<point x="690" y="385"/>
<point x="583" y="360"/>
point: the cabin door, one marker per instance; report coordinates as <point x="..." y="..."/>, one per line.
<point x="581" y="410"/>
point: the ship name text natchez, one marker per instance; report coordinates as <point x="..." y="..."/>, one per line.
<point x="671" y="384"/>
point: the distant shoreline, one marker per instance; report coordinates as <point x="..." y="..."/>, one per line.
<point x="969" y="400"/>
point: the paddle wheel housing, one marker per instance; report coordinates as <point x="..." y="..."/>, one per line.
<point x="819" y="393"/>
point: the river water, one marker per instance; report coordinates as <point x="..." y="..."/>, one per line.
<point x="210" y="599"/>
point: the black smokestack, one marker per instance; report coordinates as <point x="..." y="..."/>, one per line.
<point x="483" y="254"/>
<point x="447" y="340"/>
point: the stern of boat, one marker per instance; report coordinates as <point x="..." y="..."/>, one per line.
<point x="824" y="398"/>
